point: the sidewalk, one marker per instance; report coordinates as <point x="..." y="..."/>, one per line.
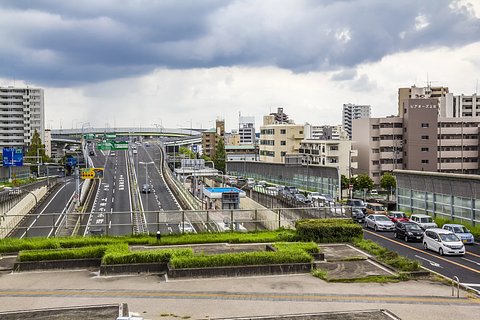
<point x="154" y="297"/>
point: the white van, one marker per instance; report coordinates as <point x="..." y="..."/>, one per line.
<point x="423" y="220"/>
<point x="443" y="242"/>
<point x="273" y="191"/>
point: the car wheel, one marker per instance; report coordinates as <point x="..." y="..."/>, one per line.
<point x="440" y="251"/>
<point x="425" y="246"/>
<point x="375" y="228"/>
<point x="406" y="238"/>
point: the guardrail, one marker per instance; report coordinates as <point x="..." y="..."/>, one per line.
<point x="178" y="221"/>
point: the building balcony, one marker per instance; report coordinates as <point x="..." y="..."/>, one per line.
<point x="457" y="154"/>
<point x="458" y="166"/>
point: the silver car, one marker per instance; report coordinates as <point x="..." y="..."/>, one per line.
<point x="379" y="222"/>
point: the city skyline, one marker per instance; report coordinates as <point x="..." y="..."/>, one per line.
<point x="185" y="64"/>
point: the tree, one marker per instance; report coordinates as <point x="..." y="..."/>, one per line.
<point x="187" y="152"/>
<point x="345" y="182"/>
<point x="219" y="157"/>
<point x="363" y="181"/>
<point x="388" y="182"/>
<point x="36" y="144"/>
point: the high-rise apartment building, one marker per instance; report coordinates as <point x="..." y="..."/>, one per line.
<point x="351" y="112"/>
<point x="21" y="114"/>
<point x="246" y="130"/>
<point x="418" y="140"/>
<point x="211" y="137"/>
<point x="415" y="92"/>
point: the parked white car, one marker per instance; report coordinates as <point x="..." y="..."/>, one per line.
<point x="443" y="242"/>
<point x="423" y="220"/>
<point x="186" y="227"/>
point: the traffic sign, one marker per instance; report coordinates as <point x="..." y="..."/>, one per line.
<point x="120" y="145"/>
<point x="92" y="173"/>
<point x="12" y="157"/>
<point x="71" y="161"/>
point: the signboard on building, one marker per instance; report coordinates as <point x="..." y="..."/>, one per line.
<point x="12" y="157"/>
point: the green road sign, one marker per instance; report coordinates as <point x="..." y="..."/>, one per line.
<point x="89" y="136"/>
<point x="110" y="135"/>
<point x="105" y="146"/>
<point x="120" y="145"/>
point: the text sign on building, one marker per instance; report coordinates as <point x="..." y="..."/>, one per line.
<point x="12" y="157"/>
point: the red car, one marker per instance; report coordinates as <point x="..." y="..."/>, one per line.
<point x="397" y="216"/>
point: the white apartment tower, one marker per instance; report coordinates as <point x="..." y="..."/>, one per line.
<point x="21" y="113"/>
<point x="246" y="130"/>
<point x="351" y="112"/>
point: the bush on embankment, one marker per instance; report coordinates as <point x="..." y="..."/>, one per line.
<point x="286" y="253"/>
<point x="328" y="230"/>
<point x="95" y="252"/>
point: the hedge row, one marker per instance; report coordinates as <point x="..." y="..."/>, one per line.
<point x="241" y="259"/>
<point x="286" y="253"/>
<point x="17" y="245"/>
<point x="62" y="254"/>
<point x="328" y="230"/>
<point x="388" y="257"/>
<point x="149" y="256"/>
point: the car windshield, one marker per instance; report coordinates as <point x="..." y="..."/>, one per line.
<point x="460" y="229"/>
<point x="426" y="220"/>
<point x="449" y="237"/>
<point x="357" y="202"/>
<point x="413" y="227"/>
<point x="378" y="208"/>
<point x="382" y="218"/>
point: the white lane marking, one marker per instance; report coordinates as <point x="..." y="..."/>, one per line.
<point x="432" y="263"/>
<point x="477" y="263"/>
<point x="45" y="208"/>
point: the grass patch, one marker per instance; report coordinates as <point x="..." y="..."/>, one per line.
<point x="323" y="274"/>
<point x="62" y="254"/>
<point x="388" y="257"/>
<point x="286" y="253"/>
<point x="148" y="256"/>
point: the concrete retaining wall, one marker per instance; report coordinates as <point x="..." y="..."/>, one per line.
<point x="133" y="268"/>
<point x="240" y="271"/>
<point x="16" y="214"/>
<point x="57" y="264"/>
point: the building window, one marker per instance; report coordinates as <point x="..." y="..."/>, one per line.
<point x="283" y="143"/>
<point x="424" y="149"/>
<point x="283" y="153"/>
<point x="424" y="137"/>
<point x="375" y="138"/>
<point x="424" y="161"/>
<point x="425" y="125"/>
<point x="283" y="131"/>
<point x="375" y="127"/>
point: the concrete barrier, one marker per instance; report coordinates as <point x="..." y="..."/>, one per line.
<point x="240" y="271"/>
<point x="17" y="213"/>
<point x="57" y="264"/>
<point x="133" y="268"/>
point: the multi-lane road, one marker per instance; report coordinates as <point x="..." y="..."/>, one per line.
<point x="466" y="268"/>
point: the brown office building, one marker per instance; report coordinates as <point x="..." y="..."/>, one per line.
<point x="418" y="140"/>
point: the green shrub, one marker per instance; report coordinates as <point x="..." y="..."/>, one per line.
<point x="328" y="230"/>
<point x="309" y="247"/>
<point x="388" y="257"/>
<point x="240" y="259"/>
<point x="62" y="254"/>
<point x="148" y="256"/>
<point x="8" y="245"/>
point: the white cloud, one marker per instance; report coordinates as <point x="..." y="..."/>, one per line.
<point x="176" y="97"/>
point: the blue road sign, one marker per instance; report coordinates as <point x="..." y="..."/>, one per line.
<point x="194" y="148"/>
<point x="12" y="157"/>
<point x="71" y="161"/>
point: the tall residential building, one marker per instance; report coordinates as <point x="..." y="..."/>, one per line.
<point x="246" y="130"/>
<point x="211" y="137"/>
<point x="279" y="139"/>
<point x="48" y="142"/>
<point x="465" y="106"/>
<point x="21" y="113"/>
<point x="415" y="92"/>
<point x="325" y="132"/>
<point x="351" y="112"/>
<point x="419" y="140"/>
<point x="279" y="116"/>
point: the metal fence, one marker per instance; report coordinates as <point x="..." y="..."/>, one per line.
<point x="172" y="222"/>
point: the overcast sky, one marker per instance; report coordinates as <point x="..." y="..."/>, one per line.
<point x="186" y="63"/>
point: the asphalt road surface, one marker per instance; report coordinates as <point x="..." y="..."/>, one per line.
<point x="466" y="268"/>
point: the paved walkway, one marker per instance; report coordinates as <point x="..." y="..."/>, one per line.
<point x="154" y="297"/>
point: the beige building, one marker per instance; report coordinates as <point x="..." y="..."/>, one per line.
<point x="48" y="142"/>
<point x="415" y="92"/>
<point x="211" y="137"/>
<point x="279" y="139"/>
<point x="419" y="140"/>
<point x="334" y="153"/>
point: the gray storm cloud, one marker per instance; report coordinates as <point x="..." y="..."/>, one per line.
<point x="63" y="43"/>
